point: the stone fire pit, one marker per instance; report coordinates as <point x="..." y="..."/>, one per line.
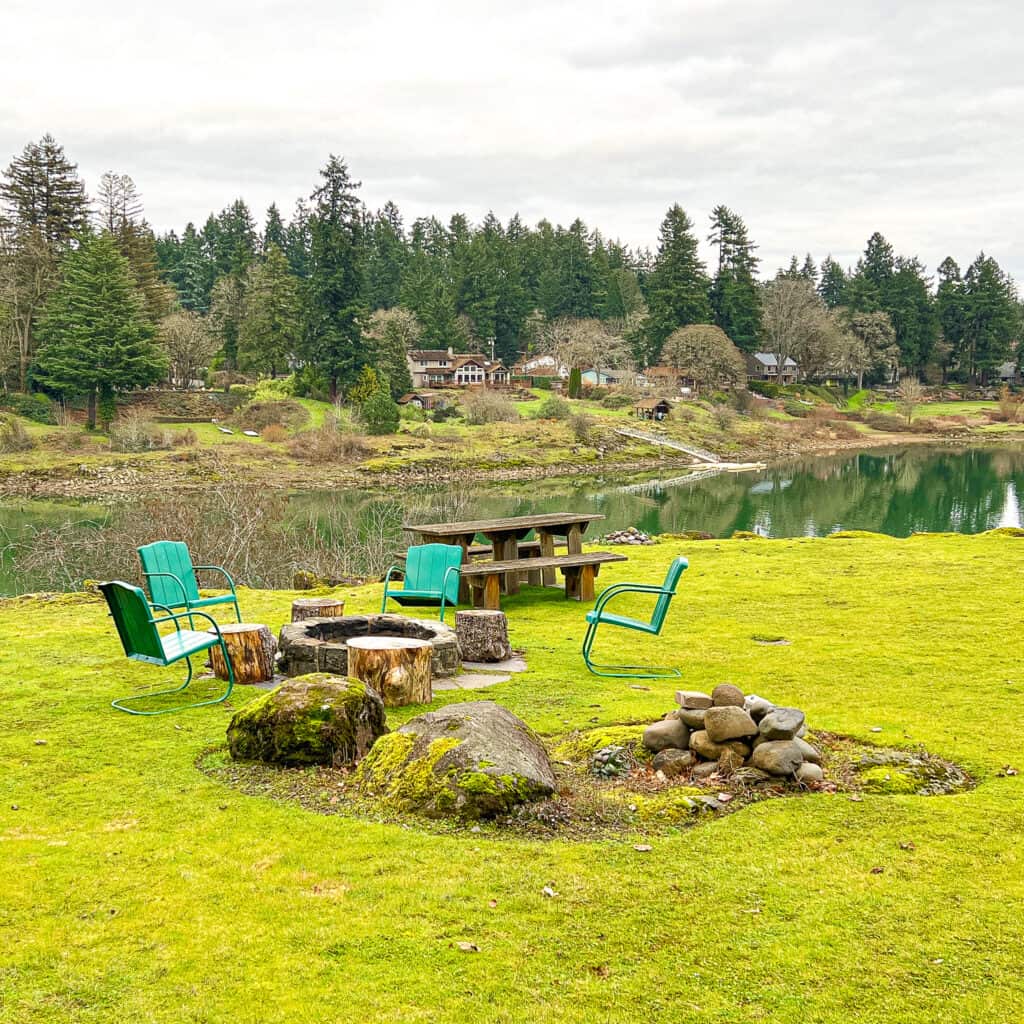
<point x="319" y="645"/>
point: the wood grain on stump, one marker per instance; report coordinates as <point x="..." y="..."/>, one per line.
<point x="483" y="635"/>
<point x="251" y="647"/>
<point x="317" y="608"/>
<point x="397" y="667"/>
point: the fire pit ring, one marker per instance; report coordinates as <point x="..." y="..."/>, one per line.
<point x="320" y="645"/>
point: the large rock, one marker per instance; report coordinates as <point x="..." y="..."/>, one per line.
<point x="777" y="757"/>
<point x="811" y="754"/>
<point x="314" y="719"/>
<point x="701" y="743"/>
<point x="693" y="717"/>
<point x="782" y="724"/>
<point x="473" y="760"/>
<point x="674" y="762"/>
<point x="757" y="707"/>
<point x="667" y="734"/>
<point x="726" y="695"/>
<point x="693" y="699"/>
<point x="728" y="723"/>
<point x="808" y="772"/>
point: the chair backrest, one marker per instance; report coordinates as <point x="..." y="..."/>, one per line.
<point x="169" y="556"/>
<point x="675" y="570"/>
<point x="130" y="611"/>
<point x="426" y="565"/>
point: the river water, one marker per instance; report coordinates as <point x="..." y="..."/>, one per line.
<point x="896" y="491"/>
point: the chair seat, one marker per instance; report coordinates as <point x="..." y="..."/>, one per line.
<point x="414" y="595"/>
<point x="621" y="620"/>
<point x="178" y="645"/>
<point x="203" y="602"/>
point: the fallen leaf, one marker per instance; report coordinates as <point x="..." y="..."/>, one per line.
<point x="468" y="947"/>
<point x="907" y="846"/>
<point x="938" y="960"/>
<point x="549" y="892"/>
<point x="876" y="728"/>
<point x="1008" y="770"/>
<point x="723" y="797"/>
<point x="601" y="970"/>
<point x="877" y="871"/>
<point x="643" y="848"/>
<point x="492" y="903"/>
<point x="856" y="798"/>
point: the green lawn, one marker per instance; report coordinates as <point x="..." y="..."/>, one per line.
<point x="135" y="888"/>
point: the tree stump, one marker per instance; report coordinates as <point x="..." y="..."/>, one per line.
<point x="252" y="648"/>
<point x="483" y="635"/>
<point x="317" y="608"/>
<point x="397" y="667"/>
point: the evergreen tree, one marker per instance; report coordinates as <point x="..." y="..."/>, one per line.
<point x="832" y="283"/>
<point x="951" y="307"/>
<point x="235" y="241"/>
<point x="809" y="270"/>
<point x="227" y="310"/>
<point x="96" y="338"/>
<point x="735" y="295"/>
<point x="270" y="329"/>
<point x="677" y="292"/>
<point x="296" y="246"/>
<point x="906" y="296"/>
<point x="386" y="252"/>
<point x="391" y="333"/>
<point x="274" y="232"/>
<point x="993" y="319"/>
<point x="41" y="191"/>
<point x="334" y="291"/>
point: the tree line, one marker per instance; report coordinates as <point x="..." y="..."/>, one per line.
<point x="93" y="302"/>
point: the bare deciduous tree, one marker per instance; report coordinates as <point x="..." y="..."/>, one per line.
<point x="705" y="353"/>
<point x="190" y="345"/>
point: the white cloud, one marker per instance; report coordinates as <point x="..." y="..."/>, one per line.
<point x="818" y="123"/>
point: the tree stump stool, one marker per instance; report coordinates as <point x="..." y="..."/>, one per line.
<point x="397" y="667"/>
<point x="252" y="648"/>
<point x="317" y="608"/>
<point x="483" y="635"/>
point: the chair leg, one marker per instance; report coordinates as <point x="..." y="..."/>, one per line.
<point x="238" y="612"/>
<point x="121" y="701"/>
<point x="622" y="671"/>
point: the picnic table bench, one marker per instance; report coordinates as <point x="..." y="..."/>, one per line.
<point x="505" y="534"/>
<point x="580" y="570"/>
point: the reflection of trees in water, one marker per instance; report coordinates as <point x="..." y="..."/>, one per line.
<point x="897" y="492"/>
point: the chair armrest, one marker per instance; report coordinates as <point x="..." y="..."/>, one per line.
<point x="627" y="588"/>
<point x="221" y="570"/>
<point x="171" y="576"/>
<point x="391" y="569"/>
<point x="451" y="569"/>
<point x="190" y="615"/>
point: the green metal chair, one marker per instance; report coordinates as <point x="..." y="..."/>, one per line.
<point x="431" y="577"/>
<point x="653" y="625"/>
<point x="171" y="578"/>
<point x="136" y="626"/>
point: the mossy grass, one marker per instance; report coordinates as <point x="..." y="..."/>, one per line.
<point x="135" y="887"/>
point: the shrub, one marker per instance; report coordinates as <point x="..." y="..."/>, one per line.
<point x="411" y="413"/>
<point x="885" y="421"/>
<point x="444" y="412"/>
<point x="13" y="436"/>
<point x="581" y="426"/>
<point x="275" y="433"/>
<point x="35" y="407"/>
<point x="553" y="407"/>
<point x="328" y="444"/>
<point x="764" y="387"/>
<point x="134" y="433"/>
<point x="1010" y="405"/>
<point x="684" y="413"/>
<point x="794" y="408"/>
<point x="256" y="415"/>
<point x="185" y="438"/>
<point x="724" y="417"/>
<point x="279" y="387"/>
<point x="619" y="399"/>
<point x="575" y="382"/>
<point x="379" y="413"/>
<point x="488" y="407"/>
<point x="310" y="383"/>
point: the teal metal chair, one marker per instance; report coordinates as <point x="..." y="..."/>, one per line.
<point x="136" y="626"/>
<point x="599" y="616"/>
<point x="171" y="578"/>
<point x="431" y="577"/>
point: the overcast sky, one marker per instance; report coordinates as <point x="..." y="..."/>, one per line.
<point x="818" y="122"/>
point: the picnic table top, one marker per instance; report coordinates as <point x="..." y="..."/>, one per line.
<point x="511" y="524"/>
<point x="550" y="562"/>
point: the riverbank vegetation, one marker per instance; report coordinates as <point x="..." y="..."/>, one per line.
<point x="137" y="887"/>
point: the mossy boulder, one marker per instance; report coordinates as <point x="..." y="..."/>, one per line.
<point x="312" y="719"/>
<point x="472" y="760"/>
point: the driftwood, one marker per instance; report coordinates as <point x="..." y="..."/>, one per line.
<point x="252" y="648"/>
<point x="317" y="608"/>
<point x="397" y="667"/>
<point x="483" y="635"/>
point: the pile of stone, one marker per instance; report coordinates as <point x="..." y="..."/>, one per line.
<point x="725" y="731"/>
<point x="631" y="535"/>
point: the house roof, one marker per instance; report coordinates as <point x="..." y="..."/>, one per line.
<point x="423" y="355"/>
<point x="650" y="403"/>
<point x="769" y="359"/>
<point x="1007" y="369"/>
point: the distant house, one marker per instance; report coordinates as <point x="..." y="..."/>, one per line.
<point x="445" y="368"/>
<point x="540" y="366"/>
<point x="598" y="378"/>
<point x="668" y="377"/>
<point x="652" y="409"/>
<point x="425" y="400"/>
<point x="765" y="366"/>
<point x="1009" y="373"/>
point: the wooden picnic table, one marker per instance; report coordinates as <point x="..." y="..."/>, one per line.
<point x="504" y="535"/>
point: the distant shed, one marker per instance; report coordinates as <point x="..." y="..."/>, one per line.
<point x="652" y="409"/>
